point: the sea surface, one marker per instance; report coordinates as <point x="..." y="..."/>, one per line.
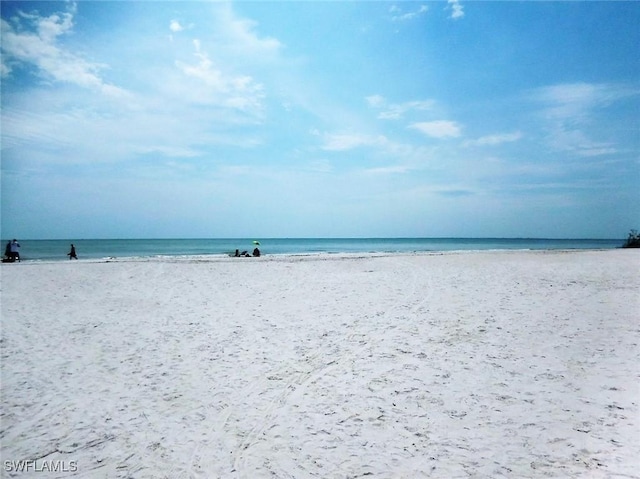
<point x="48" y="250"/>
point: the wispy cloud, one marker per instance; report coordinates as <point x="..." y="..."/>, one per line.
<point x="496" y="139"/>
<point x="219" y="88"/>
<point x="399" y="15"/>
<point x="577" y="142"/>
<point x="457" y="11"/>
<point x="30" y="39"/>
<point x="175" y="26"/>
<point x="570" y="109"/>
<point x="238" y="35"/>
<point x="577" y="101"/>
<point x="395" y="111"/>
<point x="438" y="129"/>
<point x="189" y="102"/>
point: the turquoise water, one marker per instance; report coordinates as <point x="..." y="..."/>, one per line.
<point x="39" y="250"/>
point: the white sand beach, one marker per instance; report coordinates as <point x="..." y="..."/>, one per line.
<point x="474" y="364"/>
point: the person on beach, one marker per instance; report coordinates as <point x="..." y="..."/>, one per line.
<point x="256" y="252"/>
<point x="72" y="254"/>
<point x="7" y="251"/>
<point x="15" y="250"/>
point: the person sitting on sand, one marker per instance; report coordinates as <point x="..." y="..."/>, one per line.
<point x="7" y="251"/>
<point x="256" y="252"/>
<point x="72" y="254"/>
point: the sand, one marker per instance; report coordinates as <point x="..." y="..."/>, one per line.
<point x="473" y="364"/>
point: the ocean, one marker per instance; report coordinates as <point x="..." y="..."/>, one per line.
<point x="52" y="250"/>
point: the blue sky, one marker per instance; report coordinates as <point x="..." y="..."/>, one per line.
<point x="320" y="119"/>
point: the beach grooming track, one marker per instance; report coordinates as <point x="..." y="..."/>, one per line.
<point x="479" y="364"/>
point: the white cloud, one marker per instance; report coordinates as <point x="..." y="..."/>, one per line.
<point x="376" y="101"/>
<point x="497" y="139"/>
<point x="234" y="91"/>
<point x="180" y="108"/>
<point x="576" y="101"/>
<point x="578" y="143"/>
<point x="570" y="109"/>
<point x="238" y="35"/>
<point x="32" y="39"/>
<point x="438" y="129"/>
<point x="51" y="27"/>
<point x="398" y="110"/>
<point x="395" y="111"/>
<point x="457" y="11"/>
<point x="175" y="26"/>
<point x="5" y="70"/>
<point x="399" y="16"/>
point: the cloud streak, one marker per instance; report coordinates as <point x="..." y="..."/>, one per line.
<point x="215" y="87"/>
<point x="398" y="15"/>
<point x="495" y="139"/>
<point x="570" y="109"/>
<point x="578" y="101"/>
<point x="396" y="111"/>
<point x="438" y="129"/>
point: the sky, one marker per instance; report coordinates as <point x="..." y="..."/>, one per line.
<point x="158" y="119"/>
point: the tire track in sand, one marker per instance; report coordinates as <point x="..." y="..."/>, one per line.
<point x="299" y="381"/>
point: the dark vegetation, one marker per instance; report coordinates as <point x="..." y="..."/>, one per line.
<point x="633" y="241"/>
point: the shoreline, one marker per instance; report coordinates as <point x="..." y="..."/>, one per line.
<point x="483" y="364"/>
<point x="265" y="257"/>
<point x="56" y="250"/>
